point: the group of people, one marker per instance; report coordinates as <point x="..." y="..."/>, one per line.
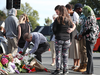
<point x="73" y="35"/>
<point x="77" y="31"/>
<point x="19" y="36"/>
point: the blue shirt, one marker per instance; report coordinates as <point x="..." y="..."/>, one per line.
<point x="37" y="38"/>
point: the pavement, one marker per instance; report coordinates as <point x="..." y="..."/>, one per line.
<point x="46" y="61"/>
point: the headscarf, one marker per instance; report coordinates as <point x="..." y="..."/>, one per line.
<point x="87" y="11"/>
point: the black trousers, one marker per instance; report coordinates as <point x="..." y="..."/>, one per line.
<point x="89" y="47"/>
<point x="41" y="49"/>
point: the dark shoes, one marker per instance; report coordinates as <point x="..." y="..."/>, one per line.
<point x="57" y="72"/>
<point x="65" y="72"/>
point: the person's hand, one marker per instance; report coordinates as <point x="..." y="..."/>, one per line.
<point x="80" y="36"/>
<point x="69" y="30"/>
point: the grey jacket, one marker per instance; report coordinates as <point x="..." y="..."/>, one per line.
<point x="11" y="24"/>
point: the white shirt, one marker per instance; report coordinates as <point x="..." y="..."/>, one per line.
<point x="75" y="18"/>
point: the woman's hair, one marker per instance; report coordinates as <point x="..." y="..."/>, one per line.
<point x="63" y="16"/>
<point x="21" y="19"/>
<point x="26" y="17"/>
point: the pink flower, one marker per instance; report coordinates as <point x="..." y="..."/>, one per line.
<point x="4" y="61"/>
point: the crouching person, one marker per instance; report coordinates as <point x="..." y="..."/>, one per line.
<point x="40" y="44"/>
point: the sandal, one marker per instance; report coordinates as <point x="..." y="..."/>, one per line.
<point x="72" y="67"/>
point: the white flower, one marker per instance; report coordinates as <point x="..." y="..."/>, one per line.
<point x="16" y="60"/>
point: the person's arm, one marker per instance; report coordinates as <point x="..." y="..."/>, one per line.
<point x="25" y="47"/>
<point x="19" y="32"/>
<point x="36" y="44"/>
<point x="29" y="27"/>
<point x="71" y="29"/>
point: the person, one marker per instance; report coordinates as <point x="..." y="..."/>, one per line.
<point x="56" y="9"/>
<point x="74" y="50"/>
<point x="28" y="22"/>
<point x="40" y="44"/>
<point x="62" y="24"/>
<point x="11" y="26"/>
<point x="52" y="41"/>
<point x="22" y="29"/>
<point x="90" y="31"/>
<point x="83" y="54"/>
<point x="2" y="32"/>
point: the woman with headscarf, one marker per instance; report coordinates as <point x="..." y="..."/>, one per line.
<point x="90" y="31"/>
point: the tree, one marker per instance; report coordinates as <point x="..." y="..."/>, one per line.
<point x="31" y="13"/>
<point x="2" y="16"/>
<point x="94" y="4"/>
<point x="48" y="21"/>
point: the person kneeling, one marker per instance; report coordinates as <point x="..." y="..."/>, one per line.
<point x="40" y="44"/>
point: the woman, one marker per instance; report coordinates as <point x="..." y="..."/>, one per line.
<point x="27" y="22"/>
<point x="62" y="29"/>
<point x="22" y="29"/>
<point x="90" y="31"/>
<point x="52" y="42"/>
<point x="74" y="51"/>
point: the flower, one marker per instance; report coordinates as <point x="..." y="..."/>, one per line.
<point x="4" y="61"/>
<point x="20" y="52"/>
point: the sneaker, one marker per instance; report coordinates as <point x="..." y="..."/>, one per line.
<point x="56" y="72"/>
<point x="52" y="64"/>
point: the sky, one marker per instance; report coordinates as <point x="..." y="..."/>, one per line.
<point x="45" y="8"/>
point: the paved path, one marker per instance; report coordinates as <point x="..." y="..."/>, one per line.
<point x="46" y="58"/>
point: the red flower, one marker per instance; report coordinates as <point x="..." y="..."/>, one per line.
<point x="20" y="52"/>
<point x="47" y="70"/>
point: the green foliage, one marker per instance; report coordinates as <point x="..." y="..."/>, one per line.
<point x="2" y="16"/>
<point x="31" y="13"/>
<point x="48" y="21"/>
<point x="94" y="4"/>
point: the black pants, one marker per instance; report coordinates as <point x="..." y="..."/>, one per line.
<point x="89" y="47"/>
<point x="41" y="49"/>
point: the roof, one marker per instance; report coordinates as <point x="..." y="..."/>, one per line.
<point x="42" y="29"/>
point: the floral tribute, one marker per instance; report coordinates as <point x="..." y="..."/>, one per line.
<point x="20" y="64"/>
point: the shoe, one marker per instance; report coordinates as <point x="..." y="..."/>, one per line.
<point x="76" y="68"/>
<point x="52" y="64"/>
<point x="84" y="72"/>
<point x="65" y="72"/>
<point x="87" y="73"/>
<point x="83" y="69"/>
<point x="72" y="67"/>
<point x="57" y="72"/>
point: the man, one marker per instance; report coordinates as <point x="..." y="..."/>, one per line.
<point x="11" y="24"/>
<point x="40" y="44"/>
<point x="83" y="53"/>
<point x="56" y="9"/>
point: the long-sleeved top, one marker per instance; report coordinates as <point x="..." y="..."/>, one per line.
<point x="11" y="24"/>
<point x="91" y="29"/>
<point x="37" y="38"/>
